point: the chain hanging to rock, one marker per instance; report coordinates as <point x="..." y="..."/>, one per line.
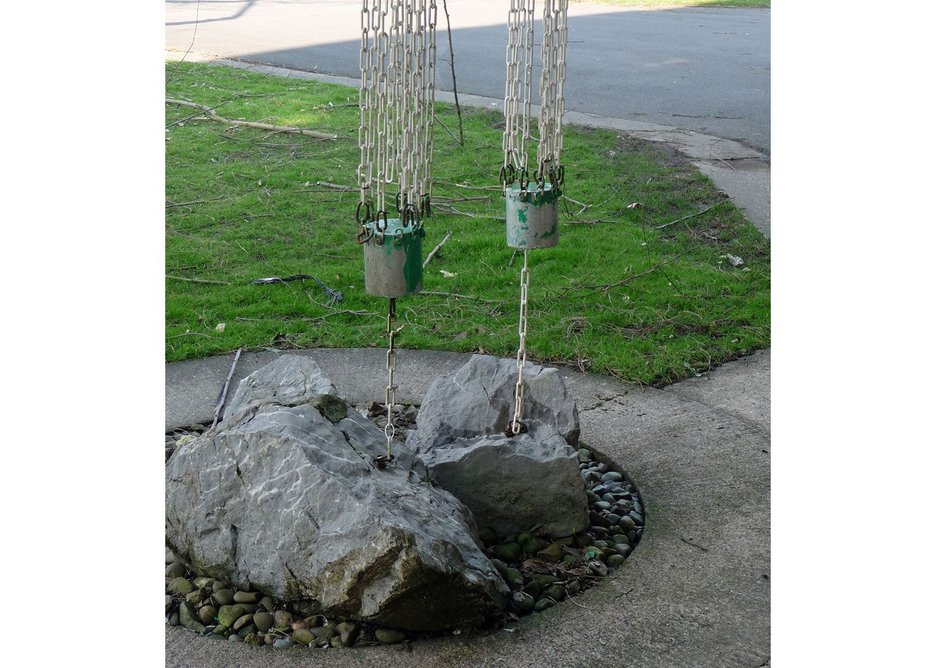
<point x="398" y="54"/>
<point x="532" y="198"/>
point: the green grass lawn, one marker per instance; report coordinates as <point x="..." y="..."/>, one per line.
<point x="619" y="294"/>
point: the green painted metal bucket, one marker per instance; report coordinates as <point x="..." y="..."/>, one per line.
<point x="393" y="259"/>
<point x="532" y="217"/>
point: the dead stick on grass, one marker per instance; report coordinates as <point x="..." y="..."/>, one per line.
<point x="436" y="249"/>
<point x="170" y="204"/>
<point x="334" y="186"/>
<point x="211" y="115"/>
<point x="197" y="280"/>
<point x="224" y="389"/>
<point x="448" y="24"/>
<point x="691" y="215"/>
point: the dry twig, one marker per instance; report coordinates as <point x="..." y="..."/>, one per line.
<point x="436" y="249"/>
<point x="691" y="215"/>
<point x="224" y="389"/>
<point x="196" y="280"/>
<point x="210" y="114"/>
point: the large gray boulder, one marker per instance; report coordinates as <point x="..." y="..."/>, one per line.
<point x="510" y="483"/>
<point x="478" y="399"/>
<point x="284" y="500"/>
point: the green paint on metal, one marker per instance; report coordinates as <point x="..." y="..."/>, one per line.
<point x="413" y="268"/>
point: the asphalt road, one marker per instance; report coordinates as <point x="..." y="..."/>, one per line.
<point x="700" y="69"/>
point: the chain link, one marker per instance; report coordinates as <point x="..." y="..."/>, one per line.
<point x="390" y="429"/>
<point x="516" y="426"/>
<point x="518" y="91"/>
<point x="397" y="65"/>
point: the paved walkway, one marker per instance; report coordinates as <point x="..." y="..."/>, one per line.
<point x="696" y="592"/>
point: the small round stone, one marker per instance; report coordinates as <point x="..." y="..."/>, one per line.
<point x="303" y="636"/>
<point x="180" y="586"/>
<point x="229" y="614"/>
<point x="524" y="602"/>
<point x="246" y="596"/>
<point x="389" y="636"/>
<point x="224" y="597"/>
<point x="207" y="613"/>
<point x="612" y="476"/>
<point x="175" y="570"/>
<point x="174" y="619"/>
<point x="282" y="619"/>
<point x="615" y="560"/>
<point x="544" y="603"/>
<point x="584" y="455"/>
<point x="598" y="568"/>
<point x="627" y="522"/>
<point x="602" y="505"/>
<point x="508" y="551"/>
<point x="242" y="621"/>
<point x="266" y="603"/>
<point x="282" y="643"/>
<point x="263" y="621"/>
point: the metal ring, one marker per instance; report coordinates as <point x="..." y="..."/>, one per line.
<point x="377" y="224"/>
<point x="364" y="235"/>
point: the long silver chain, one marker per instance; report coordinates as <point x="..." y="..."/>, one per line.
<point x="516" y="140"/>
<point x="390" y="429"/>
<point x="552" y="55"/>
<point x="515" y="426"/>
<point x="397" y="65"/>
<point x="397" y="101"/>
<point x="519" y="84"/>
<point x="518" y="89"/>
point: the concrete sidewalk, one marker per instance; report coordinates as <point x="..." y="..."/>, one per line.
<point x="696" y="592"/>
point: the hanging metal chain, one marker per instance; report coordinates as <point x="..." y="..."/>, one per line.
<point x="390" y="398"/>
<point x="397" y="65"/>
<point x="518" y="88"/>
<point x="552" y="55"/>
<point x="516" y="426"/>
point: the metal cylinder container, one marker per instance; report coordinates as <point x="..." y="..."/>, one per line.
<point x="532" y="217"/>
<point x="393" y="259"/>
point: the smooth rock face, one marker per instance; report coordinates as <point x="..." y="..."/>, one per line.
<point x="511" y="484"/>
<point x="478" y="399"/>
<point x="279" y="499"/>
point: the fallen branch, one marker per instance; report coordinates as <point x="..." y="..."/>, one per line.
<point x="436" y="249"/>
<point x="458" y="296"/>
<point x="449" y="200"/>
<point x="448" y="24"/>
<point x="211" y="115"/>
<point x="196" y="280"/>
<point x="224" y="389"/>
<point x="691" y="215"/>
<point x="467" y="187"/>
<point x="605" y="288"/>
<point x="596" y="221"/>
<point x="170" y="204"/>
<point x="334" y="186"/>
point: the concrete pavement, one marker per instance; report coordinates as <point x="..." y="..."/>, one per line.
<point x="696" y="592"/>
